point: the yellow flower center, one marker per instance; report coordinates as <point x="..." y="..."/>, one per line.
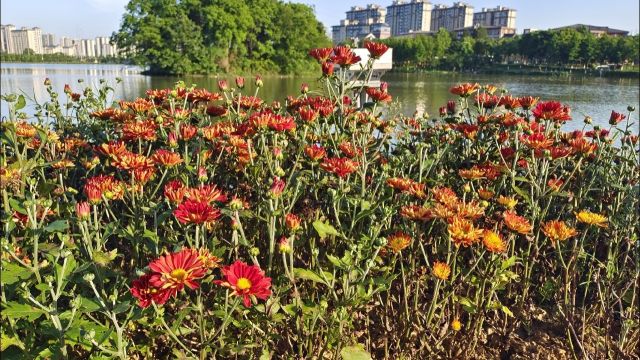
<point x="243" y="283"/>
<point x="179" y="274"/>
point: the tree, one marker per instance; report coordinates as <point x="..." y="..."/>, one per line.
<point x="205" y="36"/>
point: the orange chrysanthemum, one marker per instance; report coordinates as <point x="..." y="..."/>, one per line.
<point x="493" y="242"/>
<point x="463" y="232"/>
<point x="441" y="270"/>
<point x="516" y="223"/>
<point x="557" y="230"/>
<point x="398" y="241"/>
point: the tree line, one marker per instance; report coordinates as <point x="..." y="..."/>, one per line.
<point x="210" y="36"/>
<point x="475" y="49"/>
<point x="29" y="56"/>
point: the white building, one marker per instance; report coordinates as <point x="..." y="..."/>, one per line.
<point x="24" y="39"/>
<point x="452" y="18"/>
<point x="6" y="40"/>
<point x="409" y="16"/>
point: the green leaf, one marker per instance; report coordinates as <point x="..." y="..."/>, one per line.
<point x="356" y="352"/>
<point x="506" y="311"/>
<point x="9" y="341"/>
<point x="308" y="275"/>
<point x="508" y="262"/>
<point x="58" y="225"/>
<point x="104" y="258"/>
<point x="522" y="193"/>
<point x="21" y="103"/>
<point x="15" y="310"/>
<point x="324" y="229"/>
<point x="11" y="273"/>
<point x="88" y="305"/>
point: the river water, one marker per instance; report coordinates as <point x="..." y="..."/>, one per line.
<point x="422" y="92"/>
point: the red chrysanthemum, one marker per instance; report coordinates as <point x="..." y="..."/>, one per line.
<point x="552" y="110"/>
<point x="247" y="281"/>
<point x="339" y="166"/>
<point x="173" y="271"/>
<point x="193" y="212"/>
<point x="376" y="49"/>
<point x="146" y="294"/>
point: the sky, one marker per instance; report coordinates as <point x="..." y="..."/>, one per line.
<point x="91" y="18"/>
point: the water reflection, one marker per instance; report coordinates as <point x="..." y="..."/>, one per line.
<point x="595" y="97"/>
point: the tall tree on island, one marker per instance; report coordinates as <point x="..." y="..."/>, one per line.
<point x="208" y="36"/>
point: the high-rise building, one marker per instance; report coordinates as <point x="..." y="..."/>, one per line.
<point x="362" y="22"/>
<point x="49" y="40"/>
<point x="6" y="40"/>
<point x="457" y="16"/>
<point x="405" y="17"/>
<point x="24" y="39"/>
<point x="499" y="21"/>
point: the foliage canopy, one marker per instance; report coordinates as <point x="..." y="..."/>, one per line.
<point x="208" y="36"/>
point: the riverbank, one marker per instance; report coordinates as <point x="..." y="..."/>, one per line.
<point x="528" y="70"/>
<point x="57" y="59"/>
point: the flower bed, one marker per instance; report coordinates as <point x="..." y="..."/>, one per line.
<point x="206" y="224"/>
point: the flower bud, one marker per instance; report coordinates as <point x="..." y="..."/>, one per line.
<point x="202" y="174"/>
<point x="466" y="188"/>
<point x="236" y="204"/>
<point x="277" y="153"/>
<point x="240" y="82"/>
<point x="284" y="246"/>
<point x="293" y="222"/>
<point x="588" y="120"/>
<point x="88" y="277"/>
<point x="83" y="210"/>
<point x="259" y="82"/>
<point x="172" y="139"/>
<point x="223" y="85"/>
<point x="456" y="325"/>
<point x="304" y="88"/>
<point x="254" y="251"/>
<point x="47" y="82"/>
<point x="631" y="108"/>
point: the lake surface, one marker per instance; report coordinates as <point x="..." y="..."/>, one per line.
<point x="593" y="96"/>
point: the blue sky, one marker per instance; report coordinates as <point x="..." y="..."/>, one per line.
<point x="90" y="18"/>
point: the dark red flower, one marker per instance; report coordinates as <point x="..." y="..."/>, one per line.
<point x="616" y="118"/>
<point x="146" y="294"/>
<point x="327" y="68"/>
<point x="378" y="95"/>
<point x="340" y="166"/>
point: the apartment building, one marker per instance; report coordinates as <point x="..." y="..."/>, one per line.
<point x="408" y="16"/>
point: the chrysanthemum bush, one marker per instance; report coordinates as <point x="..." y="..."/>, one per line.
<point x="200" y="224"/>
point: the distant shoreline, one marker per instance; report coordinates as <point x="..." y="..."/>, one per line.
<point x="523" y="70"/>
